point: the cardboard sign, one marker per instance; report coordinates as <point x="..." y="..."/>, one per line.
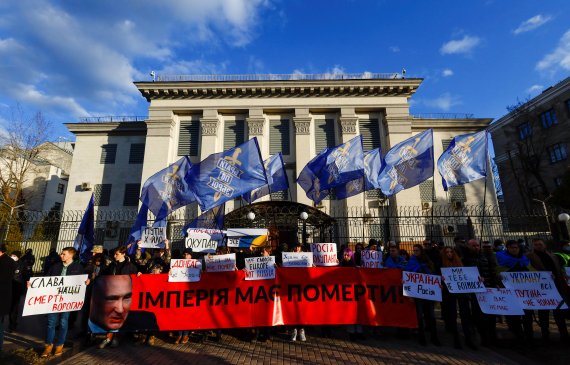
<point x="534" y="289"/>
<point x="371" y="259"/>
<point x="297" y="259"/>
<point x="260" y="268"/>
<point x="422" y="286"/>
<point x="247" y="237"/>
<point x="185" y="270"/>
<point x="219" y="263"/>
<point x="500" y="302"/>
<point x="55" y="294"/>
<point x="324" y="254"/>
<point x="153" y="237"/>
<point x="204" y="240"/>
<point x="462" y="279"/>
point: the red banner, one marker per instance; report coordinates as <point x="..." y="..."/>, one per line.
<point x="297" y="296"/>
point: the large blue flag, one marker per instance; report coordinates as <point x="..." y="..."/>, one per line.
<point x="168" y="189"/>
<point x="276" y="179"/>
<point x="85" y="238"/>
<point x="332" y="167"/>
<point x="465" y="160"/>
<point x="212" y="219"/>
<point x="407" y="164"/>
<point x="372" y="168"/>
<point x="226" y="175"/>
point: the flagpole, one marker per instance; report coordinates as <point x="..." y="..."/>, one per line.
<point x="485" y="188"/>
<point x="432" y="208"/>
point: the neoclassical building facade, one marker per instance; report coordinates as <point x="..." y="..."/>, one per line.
<point x="297" y="115"/>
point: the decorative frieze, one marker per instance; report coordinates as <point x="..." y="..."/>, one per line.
<point x="209" y="126"/>
<point x="255" y="126"/>
<point x="302" y="125"/>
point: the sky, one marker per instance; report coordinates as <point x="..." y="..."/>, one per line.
<point x="74" y="59"/>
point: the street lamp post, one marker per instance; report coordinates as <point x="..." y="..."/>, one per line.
<point x="545" y="210"/>
<point x="10" y="218"/>
<point x="563" y="219"/>
<point x="304" y="216"/>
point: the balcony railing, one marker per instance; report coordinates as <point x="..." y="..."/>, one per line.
<point x="113" y="119"/>
<point x="278" y="77"/>
<point x="444" y="116"/>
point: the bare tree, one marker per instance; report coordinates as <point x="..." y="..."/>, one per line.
<point x="21" y="145"/>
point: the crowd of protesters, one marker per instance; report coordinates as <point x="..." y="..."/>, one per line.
<point x="429" y="257"/>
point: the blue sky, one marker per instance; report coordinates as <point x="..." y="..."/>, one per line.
<point x="70" y="59"/>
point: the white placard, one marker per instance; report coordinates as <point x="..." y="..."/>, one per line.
<point x="204" y="240"/>
<point x="324" y="254"/>
<point x="462" y="279"/>
<point x="422" y="286"/>
<point x="247" y="237"/>
<point x="153" y="237"/>
<point x="533" y="289"/>
<point x="260" y="268"/>
<point x="55" y="294"/>
<point x="371" y="259"/>
<point x="185" y="270"/>
<point x="218" y="263"/>
<point x="500" y="302"/>
<point x="297" y="259"/>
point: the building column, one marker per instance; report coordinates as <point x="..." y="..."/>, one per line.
<point x="302" y="121"/>
<point x="209" y="127"/>
<point x="160" y="149"/>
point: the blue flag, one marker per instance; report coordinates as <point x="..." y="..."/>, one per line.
<point x="465" y="160"/>
<point x="372" y="167"/>
<point x="168" y="189"/>
<point x="85" y="238"/>
<point x="276" y="179"/>
<point x="310" y="182"/>
<point x="212" y="219"/>
<point x="226" y="175"/>
<point x="407" y="164"/>
<point x="332" y="167"/>
<point x="135" y="234"/>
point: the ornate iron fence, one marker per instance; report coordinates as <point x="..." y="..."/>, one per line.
<point x="407" y="225"/>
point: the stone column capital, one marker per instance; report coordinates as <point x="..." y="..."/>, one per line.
<point x="348" y="124"/>
<point x="302" y="125"/>
<point x="255" y="125"/>
<point x="209" y="126"/>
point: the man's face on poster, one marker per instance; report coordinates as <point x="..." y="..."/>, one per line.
<point x="111" y="301"/>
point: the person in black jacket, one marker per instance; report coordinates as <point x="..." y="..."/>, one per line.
<point x="7" y="269"/>
<point x="65" y="267"/>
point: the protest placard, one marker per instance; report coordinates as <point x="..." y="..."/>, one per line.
<point x="500" y="302"/>
<point x="185" y="270"/>
<point x="297" y="259"/>
<point x="204" y="240"/>
<point x="260" y="268"/>
<point x="462" y="279"/>
<point x="324" y="254"/>
<point x="371" y="259"/>
<point x="218" y="263"/>
<point x="534" y="290"/>
<point x="152" y="237"/>
<point x="422" y="286"/>
<point x="55" y="294"/>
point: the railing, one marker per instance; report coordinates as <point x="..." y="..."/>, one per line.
<point x="278" y="77"/>
<point x="113" y="119"/>
<point x="444" y="116"/>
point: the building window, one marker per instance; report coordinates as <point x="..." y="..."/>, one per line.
<point x="131" y="197"/>
<point x="108" y="153"/>
<point x="136" y="155"/>
<point x="60" y="188"/>
<point x="370" y="131"/>
<point x="234" y="133"/>
<point x="373" y="194"/>
<point x="56" y="206"/>
<point x="324" y="134"/>
<point x="558" y="181"/>
<point x="457" y="194"/>
<point x="445" y="143"/>
<point x="279" y="137"/>
<point x="525" y="131"/>
<point x="426" y="191"/>
<point x="557" y="152"/>
<point x="189" y="138"/>
<point x="102" y="194"/>
<point x="548" y="118"/>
